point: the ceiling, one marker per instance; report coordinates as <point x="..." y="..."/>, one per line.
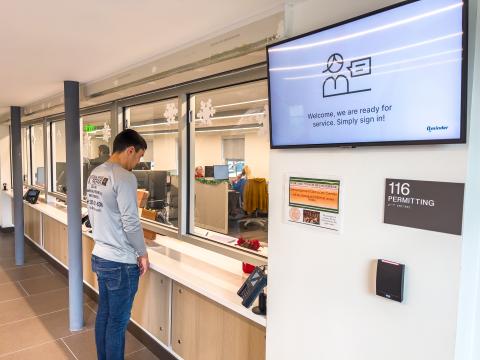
<point x="45" y="42"/>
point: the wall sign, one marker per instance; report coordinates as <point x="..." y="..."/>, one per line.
<point x="314" y="202"/>
<point x="428" y="205"/>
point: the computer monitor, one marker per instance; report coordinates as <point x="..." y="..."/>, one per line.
<point x="157" y="187"/>
<point x="142" y="178"/>
<point x="209" y="173"/>
<point x="40" y="176"/>
<point x="220" y="172"/>
<point x="61" y="176"/>
<point x="144" y="165"/>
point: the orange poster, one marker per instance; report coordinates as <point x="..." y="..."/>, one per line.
<point x="314" y="202"/>
<point x="315" y="194"/>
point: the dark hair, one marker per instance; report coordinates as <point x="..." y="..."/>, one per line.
<point x="128" y="138"/>
<point x="103" y="149"/>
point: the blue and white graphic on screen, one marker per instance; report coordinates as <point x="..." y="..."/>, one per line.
<point x="391" y="76"/>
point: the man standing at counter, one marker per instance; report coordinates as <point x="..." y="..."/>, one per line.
<point x="119" y="256"/>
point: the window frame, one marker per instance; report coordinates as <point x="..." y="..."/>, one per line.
<point x="183" y="92"/>
<point x="248" y="78"/>
<point x="185" y="151"/>
<point x="123" y="105"/>
<point x="92" y="110"/>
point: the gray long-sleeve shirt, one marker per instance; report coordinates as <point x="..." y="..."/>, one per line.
<point x="113" y="213"/>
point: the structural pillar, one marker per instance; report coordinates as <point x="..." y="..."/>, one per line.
<point x="74" y="202"/>
<point x="17" y="184"/>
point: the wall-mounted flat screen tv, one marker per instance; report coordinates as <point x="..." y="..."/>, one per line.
<point x="394" y="76"/>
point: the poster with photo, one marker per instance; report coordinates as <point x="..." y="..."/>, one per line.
<point x="314" y="201"/>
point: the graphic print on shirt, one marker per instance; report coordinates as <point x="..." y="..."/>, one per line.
<point x="95" y="186"/>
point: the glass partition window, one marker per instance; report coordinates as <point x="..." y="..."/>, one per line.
<point x="96" y="143"/>
<point x="231" y="157"/>
<point x="58" y="156"/>
<point x="157" y="173"/>
<point x="27" y="180"/>
<point x="37" y="155"/>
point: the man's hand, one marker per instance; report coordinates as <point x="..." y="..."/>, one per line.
<point x="143" y="263"/>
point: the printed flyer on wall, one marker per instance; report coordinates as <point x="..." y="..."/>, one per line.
<point x="314" y="202"/>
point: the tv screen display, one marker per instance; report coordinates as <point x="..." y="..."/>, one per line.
<point x="395" y="76"/>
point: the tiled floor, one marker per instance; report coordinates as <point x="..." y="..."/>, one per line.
<point x="34" y="313"/>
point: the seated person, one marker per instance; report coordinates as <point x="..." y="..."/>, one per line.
<point x="238" y="184"/>
<point x="199" y="172"/>
<point x="103" y="155"/>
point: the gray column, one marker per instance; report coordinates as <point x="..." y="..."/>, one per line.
<point x="74" y="208"/>
<point x="17" y="184"/>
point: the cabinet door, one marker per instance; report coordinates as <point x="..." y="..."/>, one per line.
<point x="88" y="275"/>
<point x="32" y="226"/>
<point x="243" y="339"/>
<point x="184" y="332"/>
<point x="55" y="239"/>
<point x="152" y="303"/>
<point x="203" y="329"/>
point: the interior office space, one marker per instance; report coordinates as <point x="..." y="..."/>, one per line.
<point x="232" y="173"/>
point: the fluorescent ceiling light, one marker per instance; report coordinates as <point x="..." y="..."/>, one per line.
<point x="147" y="125"/>
<point x="241" y="103"/>
<point x="207" y="129"/>
<point x="236" y="116"/>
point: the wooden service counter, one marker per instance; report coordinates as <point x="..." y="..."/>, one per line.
<point x="187" y="301"/>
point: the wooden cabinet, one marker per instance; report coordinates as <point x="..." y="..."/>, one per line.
<point x="88" y="275"/>
<point x="55" y="239"/>
<point x="203" y="329"/>
<point x="32" y="223"/>
<point x="152" y="303"/>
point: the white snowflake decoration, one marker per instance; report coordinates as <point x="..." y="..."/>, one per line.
<point x="206" y="112"/>
<point x="171" y="113"/>
<point x="263" y="119"/>
<point x="106" y="132"/>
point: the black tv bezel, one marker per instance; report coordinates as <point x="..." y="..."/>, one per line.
<point x="464" y="85"/>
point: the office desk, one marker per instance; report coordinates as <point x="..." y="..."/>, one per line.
<point x="211" y="206"/>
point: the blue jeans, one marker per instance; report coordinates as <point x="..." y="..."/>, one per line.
<point x="118" y="284"/>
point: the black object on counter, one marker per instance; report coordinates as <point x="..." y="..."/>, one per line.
<point x="261" y="309"/>
<point x="31" y="195"/>
<point x="252" y="287"/>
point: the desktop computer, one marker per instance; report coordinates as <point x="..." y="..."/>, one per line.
<point x="61" y="176"/>
<point x="155" y="182"/>
<point x="209" y="172"/>
<point x="157" y="187"/>
<point x="40" y="176"/>
<point x="220" y="172"/>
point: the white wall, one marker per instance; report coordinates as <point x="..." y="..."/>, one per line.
<point x="164" y="151"/>
<point x="326" y="307"/>
<point x="468" y="333"/>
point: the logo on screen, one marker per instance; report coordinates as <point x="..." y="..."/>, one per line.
<point x="338" y="83"/>
<point x="436" y="128"/>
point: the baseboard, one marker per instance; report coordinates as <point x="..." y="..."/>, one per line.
<point x="150" y="343"/>
<point x="6" y="230"/>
